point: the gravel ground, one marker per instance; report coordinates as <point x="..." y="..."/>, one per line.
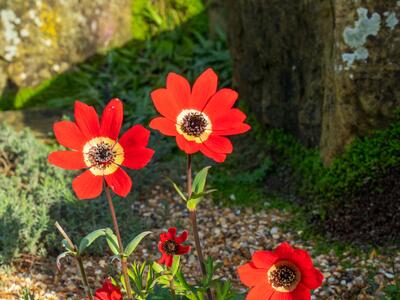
<point x="230" y="235"/>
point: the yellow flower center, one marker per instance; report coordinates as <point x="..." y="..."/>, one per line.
<point x="194" y="125"/>
<point x="284" y="276"/>
<point x="103" y="155"/>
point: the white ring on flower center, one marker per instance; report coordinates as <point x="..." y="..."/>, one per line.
<point x="203" y="136"/>
<point x="103" y="166"/>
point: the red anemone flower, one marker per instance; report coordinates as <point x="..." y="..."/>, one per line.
<point x="170" y="245"/>
<point x="200" y="117"/>
<point x="285" y="273"/>
<point x="108" y="292"/>
<point x="96" y="148"/>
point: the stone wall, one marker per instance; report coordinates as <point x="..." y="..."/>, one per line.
<point x="41" y="38"/>
<point x="326" y="71"/>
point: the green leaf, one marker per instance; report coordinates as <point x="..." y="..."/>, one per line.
<point x="178" y="190"/>
<point x="89" y="239"/>
<point x="134" y="243"/>
<point x="157" y="267"/>
<point x="192" y="204"/>
<point x="175" y="264"/>
<point x="112" y="241"/>
<point x="199" y="181"/>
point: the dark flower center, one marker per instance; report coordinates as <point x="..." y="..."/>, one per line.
<point x="170" y="247"/>
<point x="282" y="276"/>
<point x="101" y="155"/>
<point x="194" y="124"/>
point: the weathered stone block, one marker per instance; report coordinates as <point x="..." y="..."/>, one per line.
<point x="41" y="38"/>
<point x="327" y="71"/>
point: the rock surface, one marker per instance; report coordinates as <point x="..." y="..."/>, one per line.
<point x="42" y="38"/>
<point x="326" y="71"/>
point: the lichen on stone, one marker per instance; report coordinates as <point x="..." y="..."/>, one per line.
<point x="391" y="20"/>
<point x="356" y="37"/>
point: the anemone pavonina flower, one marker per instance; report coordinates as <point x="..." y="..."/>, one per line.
<point x="170" y="245"/>
<point x="96" y="148"/>
<point x="200" y="117"/>
<point x="285" y="273"/>
<point x="108" y="292"/>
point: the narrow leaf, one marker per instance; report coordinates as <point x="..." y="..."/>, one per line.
<point x="112" y="241"/>
<point x="178" y="190"/>
<point x="175" y="264"/>
<point x="135" y="242"/>
<point x="157" y="267"/>
<point x="89" y="239"/>
<point x="199" y="181"/>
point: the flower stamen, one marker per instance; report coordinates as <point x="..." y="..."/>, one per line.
<point x="194" y="124"/>
<point x="170" y="247"/>
<point x="283" y="276"/>
<point x="101" y="155"/>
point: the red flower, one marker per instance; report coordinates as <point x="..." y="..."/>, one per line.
<point x="285" y="273"/>
<point x="170" y="245"/>
<point x="200" y="117"/>
<point x="96" y="148"/>
<point x="108" y="292"/>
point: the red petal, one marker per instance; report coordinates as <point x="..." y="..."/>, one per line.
<point x="87" y="186"/>
<point x="219" y="144"/>
<point x="264" y="259"/>
<point x="164" y="125"/>
<point x="180" y="239"/>
<point x="187" y="146"/>
<point x="312" y="279"/>
<point x="69" y="135"/>
<point x="221" y="102"/>
<point x="137" y="158"/>
<point x="163" y="237"/>
<point x="301" y="293"/>
<point x="119" y="182"/>
<point x="111" y="119"/>
<point x="218" y="157"/>
<point x="166" y="104"/>
<point x="162" y="259"/>
<point x="260" y="292"/>
<point x="283" y="296"/>
<point x="168" y="260"/>
<point x="87" y="120"/>
<point x="233" y="129"/>
<point x="204" y="87"/>
<point x="179" y="88"/>
<point x="171" y="233"/>
<point x="68" y="160"/>
<point x="183" y="249"/>
<point x="136" y="137"/>
<point x="251" y="276"/>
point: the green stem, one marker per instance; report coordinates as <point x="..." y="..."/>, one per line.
<point x="79" y="261"/>
<point x="120" y="245"/>
<point x="193" y="218"/>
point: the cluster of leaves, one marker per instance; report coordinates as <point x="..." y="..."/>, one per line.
<point x="34" y="195"/>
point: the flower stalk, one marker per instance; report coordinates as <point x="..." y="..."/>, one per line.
<point x="120" y="245"/>
<point x="79" y="261"/>
<point x="193" y="218"/>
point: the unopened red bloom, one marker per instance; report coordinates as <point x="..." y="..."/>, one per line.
<point x="171" y="245"/>
<point x="200" y="117"/>
<point x="285" y="273"/>
<point x="108" y="292"/>
<point x="96" y="148"/>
